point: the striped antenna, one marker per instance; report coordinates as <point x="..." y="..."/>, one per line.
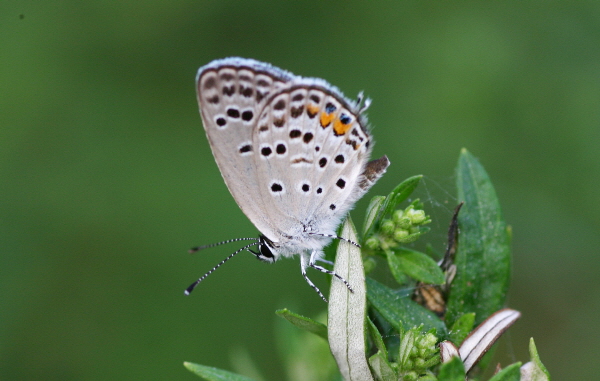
<point x="193" y="285"/>
<point x="198" y="248"/>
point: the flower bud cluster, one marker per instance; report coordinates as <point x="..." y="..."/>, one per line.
<point x="405" y="226"/>
<point x="423" y="355"/>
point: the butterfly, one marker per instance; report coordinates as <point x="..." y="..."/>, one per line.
<point x="294" y="153"/>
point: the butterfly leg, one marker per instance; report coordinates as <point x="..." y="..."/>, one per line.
<point x="314" y="257"/>
<point x="325" y="261"/>
<point x="304" y="263"/>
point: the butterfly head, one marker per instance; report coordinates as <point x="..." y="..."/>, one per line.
<point x="266" y="250"/>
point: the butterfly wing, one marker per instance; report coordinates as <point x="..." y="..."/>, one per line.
<point x="312" y="146"/>
<point x="231" y="92"/>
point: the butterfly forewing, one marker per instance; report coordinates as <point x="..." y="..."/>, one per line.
<point x="230" y="94"/>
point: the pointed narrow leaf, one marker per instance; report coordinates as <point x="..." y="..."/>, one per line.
<point x="372" y="212"/>
<point x="396" y="267"/>
<point x="377" y="338"/>
<point x="406" y="348"/>
<point x="417" y="265"/>
<point x="534" y="370"/>
<point x="510" y="373"/>
<point x="304" y="323"/>
<point x="382" y="369"/>
<point x="214" y="374"/>
<point x="535" y="357"/>
<point x="347" y="311"/>
<point x="483" y="256"/>
<point x="452" y="370"/>
<point x="399" y="194"/>
<point x="395" y="309"/>
<point x="461" y="328"/>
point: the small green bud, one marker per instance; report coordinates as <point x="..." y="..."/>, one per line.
<point x="398" y="214"/>
<point x="404" y="223"/>
<point x="410" y="376"/>
<point x="412" y="237"/>
<point x="372" y="243"/>
<point x="414" y="351"/>
<point x="400" y="234"/>
<point x="432" y="361"/>
<point x="419" y="363"/>
<point x="416" y="216"/>
<point x="389" y="243"/>
<point x="428" y="341"/>
<point x="388" y="226"/>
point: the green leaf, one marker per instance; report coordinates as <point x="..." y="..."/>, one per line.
<point x="396" y="267"/>
<point x="377" y="338"/>
<point x="510" y="373"/>
<point x="382" y="369"/>
<point x="407" y="347"/>
<point x="347" y="310"/>
<point x="304" y="323"/>
<point x="461" y="328"/>
<point x="417" y="265"/>
<point x="396" y="309"/>
<point x="399" y="194"/>
<point x="372" y="213"/>
<point x="452" y="370"/>
<point x="534" y="370"/>
<point x="533" y="353"/>
<point x="214" y="374"/>
<point x="483" y="256"/>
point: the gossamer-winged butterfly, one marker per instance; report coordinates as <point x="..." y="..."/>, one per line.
<point x="293" y="152"/>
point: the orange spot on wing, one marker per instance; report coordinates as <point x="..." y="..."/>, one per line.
<point x="326" y="119"/>
<point x="312" y="110"/>
<point x="341" y="128"/>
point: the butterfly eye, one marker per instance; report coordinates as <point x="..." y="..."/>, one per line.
<point x="265" y="252"/>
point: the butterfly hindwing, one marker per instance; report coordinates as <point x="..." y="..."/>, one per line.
<point x="312" y="148"/>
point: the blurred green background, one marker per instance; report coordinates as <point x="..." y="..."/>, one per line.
<point x="107" y="178"/>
